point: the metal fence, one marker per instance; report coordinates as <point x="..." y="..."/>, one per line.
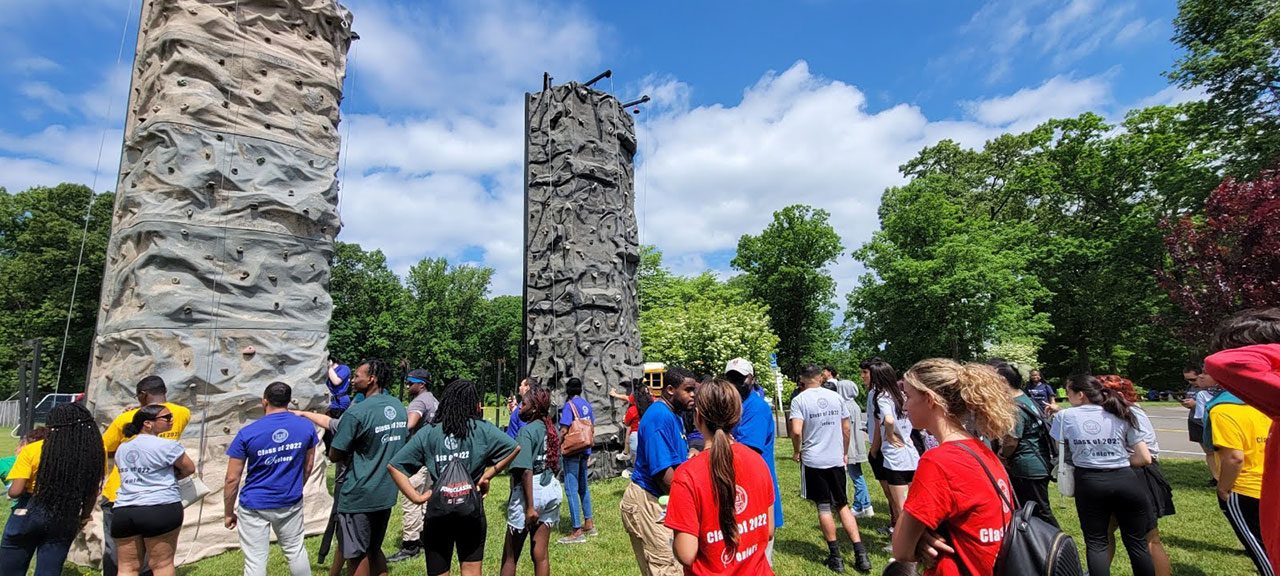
<point x="9" y="413"/>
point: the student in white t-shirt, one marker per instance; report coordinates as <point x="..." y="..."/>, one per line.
<point x="1104" y="444"/>
<point x="893" y="456"/>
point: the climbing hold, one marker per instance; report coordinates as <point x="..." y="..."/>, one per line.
<point x="249" y="351"/>
<point x="174" y="280"/>
<point x="244" y="275"/>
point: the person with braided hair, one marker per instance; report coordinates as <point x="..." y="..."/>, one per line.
<point x="533" y="509"/>
<point x="482" y="450"/>
<point x="55" y="482"/>
<point x="721" y="505"/>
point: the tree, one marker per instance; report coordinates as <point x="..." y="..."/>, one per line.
<point x="40" y="237"/>
<point x="367" y="297"/>
<point x="786" y="269"/>
<point x="1233" y="53"/>
<point x="500" y="330"/>
<point x="1228" y="257"/>
<point x="441" y="318"/>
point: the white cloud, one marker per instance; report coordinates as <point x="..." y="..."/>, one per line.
<point x="1057" y="97"/>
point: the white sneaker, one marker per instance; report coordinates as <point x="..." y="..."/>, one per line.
<point x="867" y="512"/>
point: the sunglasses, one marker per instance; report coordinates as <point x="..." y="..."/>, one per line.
<point x="166" y="418"/>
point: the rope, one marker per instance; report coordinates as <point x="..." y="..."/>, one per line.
<point x="344" y="146"/>
<point x="88" y="210"/>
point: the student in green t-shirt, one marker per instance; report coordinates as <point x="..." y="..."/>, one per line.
<point x="534" y="505"/>
<point x="1024" y="450"/>
<point x="482" y="449"/>
<point x="367" y="437"/>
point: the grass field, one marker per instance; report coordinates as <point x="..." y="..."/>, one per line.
<point x="1198" y="538"/>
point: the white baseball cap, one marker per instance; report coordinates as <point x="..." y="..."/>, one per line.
<point x="741" y="366"/>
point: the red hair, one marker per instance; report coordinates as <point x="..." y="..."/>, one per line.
<point x="1121" y="385"/>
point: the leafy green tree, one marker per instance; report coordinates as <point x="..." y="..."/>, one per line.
<point x="40" y="238"/>
<point x="440" y="320"/>
<point x="705" y="333"/>
<point x="786" y="269"/>
<point x="1233" y="53"/>
<point x="367" y="298"/>
<point x="500" y="330"/>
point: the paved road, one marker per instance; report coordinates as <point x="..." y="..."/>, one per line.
<point x="1170" y="421"/>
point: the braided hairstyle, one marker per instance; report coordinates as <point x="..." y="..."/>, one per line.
<point x="458" y="407"/>
<point x="538" y="402"/>
<point x="71" y="465"/>
<point x="720" y="407"/>
<point x="1097" y="393"/>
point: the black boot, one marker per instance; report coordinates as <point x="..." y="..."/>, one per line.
<point x="407" y="550"/>
<point x="861" y="562"/>
<point x="836" y="564"/>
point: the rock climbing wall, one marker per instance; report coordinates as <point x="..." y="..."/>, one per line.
<point x="581" y="245"/>
<point x="225" y="216"/>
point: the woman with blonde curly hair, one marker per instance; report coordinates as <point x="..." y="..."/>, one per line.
<point x="960" y="502"/>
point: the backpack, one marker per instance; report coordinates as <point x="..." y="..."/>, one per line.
<point x="1048" y="446"/>
<point x="581" y="434"/>
<point x="1031" y="545"/>
<point x="455" y="494"/>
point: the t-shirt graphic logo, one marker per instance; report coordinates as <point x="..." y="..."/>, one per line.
<point x="727" y="557"/>
<point x="1004" y="488"/>
<point x="1092" y="427"/>
<point x="450" y="443"/>
<point x="132" y="458"/>
<point x="279" y="436"/>
<point x="739" y="500"/>
<point x="389" y="412"/>
<point x="822" y="403"/>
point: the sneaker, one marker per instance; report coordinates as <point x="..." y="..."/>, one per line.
<point x="593" y="532"/>
<point x="867" y="512"/>
<point x="885" y="530"/>
<point x="862" y="562"/>
<point x="571" y="539"/>
<point x="625" y="473"/>
<point x="836" y="564"/>
<point x="406" y="552"/>
<point x="621" y="457"/>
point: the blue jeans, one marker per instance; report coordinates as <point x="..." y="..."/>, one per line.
<point x="575" y="488"/>
<point x="861" y="498"/>
<point x="26" y="537"/>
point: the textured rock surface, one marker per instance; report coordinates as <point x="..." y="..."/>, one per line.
<point x="225" y="215"/>
<point x="581" y="245"/>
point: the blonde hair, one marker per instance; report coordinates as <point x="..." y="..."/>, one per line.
<point x="971" y="393"/>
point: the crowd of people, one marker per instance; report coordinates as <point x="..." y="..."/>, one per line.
<point x="958" y="450"/>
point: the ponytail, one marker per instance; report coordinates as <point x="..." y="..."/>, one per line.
<point x="720" y="407"/>
<point x="142" y="416"/>
<point x="722" y="478"/>
<point x="1110" y="400"/>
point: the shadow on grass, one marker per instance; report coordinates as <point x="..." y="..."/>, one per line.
<point x="1199" y="545"/>
<point x="801" y="548"/>
<point x="1180" y="569"/>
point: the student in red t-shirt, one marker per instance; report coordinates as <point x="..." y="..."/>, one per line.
<point x="952" y="498"/>
<point x="1248" y="365"/>
<point x="721" y="506"/>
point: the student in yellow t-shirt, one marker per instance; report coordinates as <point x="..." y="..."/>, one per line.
<point x="150" y="390"/>
<point x="1240" y="436"/>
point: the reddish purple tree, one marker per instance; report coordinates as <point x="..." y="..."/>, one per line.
<point x="1227" y="258"/>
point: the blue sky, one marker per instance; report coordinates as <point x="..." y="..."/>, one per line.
<point x="756" y="104"/>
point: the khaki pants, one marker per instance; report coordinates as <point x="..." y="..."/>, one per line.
<point x="255" y="528"/>
<point x="411" y="530"/>
<point x="650" y="539"/>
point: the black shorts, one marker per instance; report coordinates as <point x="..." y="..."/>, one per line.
<point x="361" y="532"/>
<point x="441" y="536"/>
<point x="1161" y="492"/>
<point x="825" y="486"/>
<point x="1195" y="430"/>
<point x="890" y="477"/>
<point x="145" y="521"/>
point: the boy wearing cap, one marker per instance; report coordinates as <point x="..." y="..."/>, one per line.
<point x="421" y="412"/>
<point x="756" y="430"/>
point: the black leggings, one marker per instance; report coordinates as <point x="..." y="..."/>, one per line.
<point x="1035" y="490"/>
<point x="1101" y="494"/>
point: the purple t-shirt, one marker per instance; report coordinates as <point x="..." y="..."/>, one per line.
<point x="584" y="411"/>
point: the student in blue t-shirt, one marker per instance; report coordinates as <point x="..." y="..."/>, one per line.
<point x="757" y="429"/>
<point x="575" y="466"/>
<point x="661" y="447"/>
<point x="275" y="455"/>
<point x="516" y="423"/>
<point x="338" y="381"/>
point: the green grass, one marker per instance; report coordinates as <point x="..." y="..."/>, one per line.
<point x="1198" y="538"/>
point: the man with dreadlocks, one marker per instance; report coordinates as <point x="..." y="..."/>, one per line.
<point x="461" y="453"/>
<point x="533" y="507"/>
<point x="368" y="435"/>
<point x="55" y="483"/>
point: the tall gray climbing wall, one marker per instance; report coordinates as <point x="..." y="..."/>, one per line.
<point x="222" y="235"/>
<point x="581" y="245"/>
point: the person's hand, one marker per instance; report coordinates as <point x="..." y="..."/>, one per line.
<point x="483" y="485"/>
<point x="897" y="443"/>
<point x="1224" y="494"/>
<point x="1051" y="409"/>
<point x="796" y="456"/>
<point x="932" y="545"/>
<point x="229" y="521"/>
<point x="530" y="518"/>
<point x="422" y="498"/>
